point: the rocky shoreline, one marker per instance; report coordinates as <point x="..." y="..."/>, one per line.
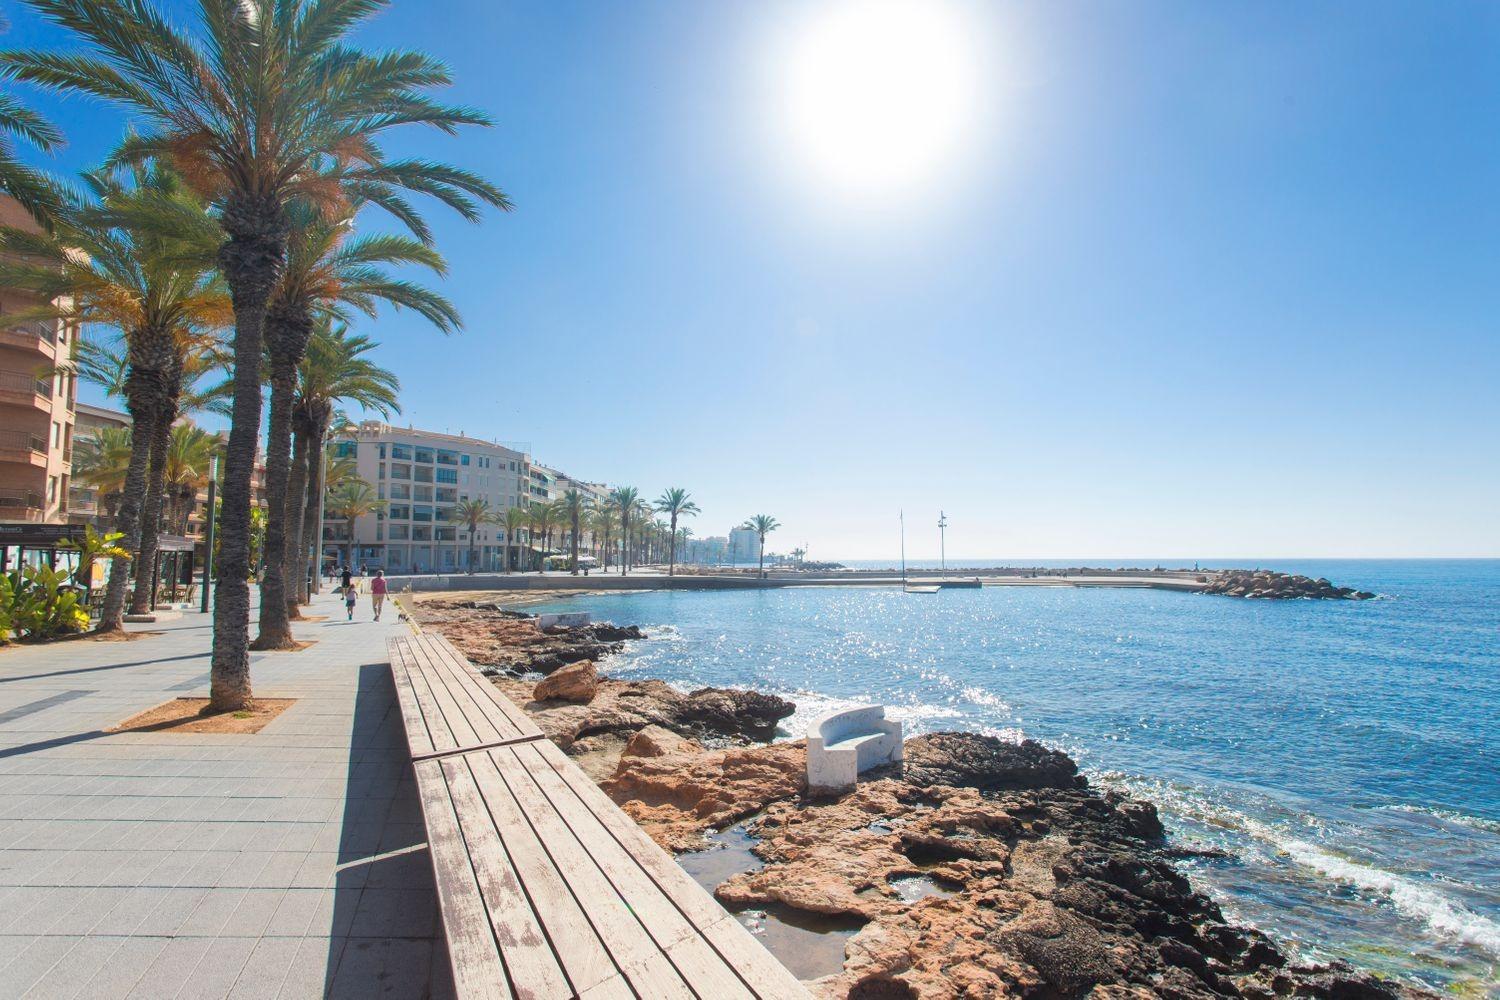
<point x="979" y="868"/>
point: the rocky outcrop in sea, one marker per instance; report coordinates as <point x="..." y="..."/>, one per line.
<point x="1265" y="584"/>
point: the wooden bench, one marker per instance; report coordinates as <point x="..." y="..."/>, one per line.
<point x="547" y="888"/>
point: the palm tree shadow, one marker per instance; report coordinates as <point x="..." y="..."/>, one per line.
<point x="386" y="933"/>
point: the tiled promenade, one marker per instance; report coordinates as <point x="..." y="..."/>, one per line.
<point x="290" y="863"/>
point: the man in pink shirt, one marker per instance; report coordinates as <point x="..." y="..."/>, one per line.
<point x="377" y="591"/>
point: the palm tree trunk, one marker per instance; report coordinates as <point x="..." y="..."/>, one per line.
<point x="762" y="557"/>
<point x="349" y="560"/>
<point x="472" y="529"/>
<point x="672" y="553"/>
<point x="294" y="566"/>
<point x="144" y="598"/>
<point x="312" y="534"/>
<point x="127" y="522"/>
<point x="287" y="334"/>
<point x="575" y="544"/>
<point x="252" y="260"/>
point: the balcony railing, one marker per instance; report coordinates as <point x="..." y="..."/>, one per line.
<point x="33" y="328"/>
<point x="20" y="498"/>
<point x="14" y="381"/>
<point x="23" y="441"/>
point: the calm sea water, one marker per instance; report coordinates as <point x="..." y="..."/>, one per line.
<point x="1345" y="754"/>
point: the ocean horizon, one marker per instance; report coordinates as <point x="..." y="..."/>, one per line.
<point x="1335" y="762"/>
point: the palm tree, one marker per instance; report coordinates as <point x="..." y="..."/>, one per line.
<point x="762" y="525"/>
<point x="190" y="454"/>
<point x="603" y="523"/>
<point x="573" y="507"/>
<point x="625" y="499"/>
<point x="32" y="189"/>
<point x="471" y="514"/>
<point x="516" y="518"/>
<point x="675" y="502"/>
<point x="326" y="270"/>
<point x="267" y="103"/>
<point x="350" y="502"/>
<point x="334" y="369"/>
<point x="543" y="518"/>
<point x="108" y="262"/>
<point x="102" y="462"/>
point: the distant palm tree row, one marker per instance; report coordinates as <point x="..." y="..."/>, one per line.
<point x="224" y="222"/>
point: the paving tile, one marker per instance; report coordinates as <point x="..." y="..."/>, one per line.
<point x="266" y="969"/>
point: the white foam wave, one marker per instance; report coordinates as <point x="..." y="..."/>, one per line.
<point x="1446" y="815"/>
<point x="980" y="696"/>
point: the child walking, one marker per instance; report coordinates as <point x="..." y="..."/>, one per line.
<point x="351" y="595"/>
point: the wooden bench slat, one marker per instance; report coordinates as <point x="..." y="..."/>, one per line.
<point x="628" y="921"/>
<point x="583" y="956"/>
<point x="706" y="970"/>
<point x="436" y="723"/>
<point x="479" y="694"/>
<point x="464" y="733"/>
<point x="518" y="717"/>
<point x="765" y="975"/>
<point x="523" y="943"/>
<point x="418" y="737"/>
<point x="477" y="968"/>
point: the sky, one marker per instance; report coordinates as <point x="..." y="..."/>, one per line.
<point x="1098" y="280"/>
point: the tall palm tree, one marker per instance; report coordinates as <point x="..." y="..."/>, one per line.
<point x="603" y="523"/>
<point x="335" y="369"/>
<point x="265" y="103"/>
<point x="326" y="269"/>
<point x="626" y="499"/>
<point x="108" y="262"/>
<point x="471" y="514"/>
<point x="350" y="502"/>
<point x="573" y="506"/>
<point x="543" y="518"/>
<point x="675" y="502"/>
<point x="516" y="519"/>
<point x="190" y="454"/>
<point x="762" y="525"/>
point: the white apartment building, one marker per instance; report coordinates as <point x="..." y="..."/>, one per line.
<point x="744" y="545"/>
<point x="422" y="475"/>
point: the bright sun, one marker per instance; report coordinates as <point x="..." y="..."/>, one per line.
<point x="879" y="95"/>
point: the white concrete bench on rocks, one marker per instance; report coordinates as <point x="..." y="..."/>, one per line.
<point x="843" y="744"/>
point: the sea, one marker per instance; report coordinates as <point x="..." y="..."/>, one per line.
<point x="1343" y="757"/>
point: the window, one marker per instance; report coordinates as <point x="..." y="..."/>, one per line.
<point x="400" y="491"/>
<point x="447" y="457"/>
<point x="463" y="460"/>
<point x="400" y="512"/>
<point x="400" y="532"/>
<point x="512" y="466"/>
<point x="421" y="512"/>
<point x="421" y="474"/>
<point x="401" y="451"/>
<point x="447" y="476"/>
<point x="381" y="474"/>
<point x="52" y="489"/>
<point x="447" y="496"/>
<point x="444" y="513"/>
<point x="421" y="534"/>
<point x="346" y="449"/>
<point x="421" y="493"/>
<point x="400" y="471"/>
<point x="380" y="492"/>
<point x="382" y="452"/>
<point x="444" y="535"/>
<point x="423" y="455"/>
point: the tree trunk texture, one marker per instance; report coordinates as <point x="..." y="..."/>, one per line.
<point x="288" y="329"/>
<point x="144" y="598"/>
<point x="295" y="564"/>
<point x="252" y="260"/>
<point x="138" y="400"/>
<point x="312" y="538"/>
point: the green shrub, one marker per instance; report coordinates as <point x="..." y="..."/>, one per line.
<point x="38" y="604"/>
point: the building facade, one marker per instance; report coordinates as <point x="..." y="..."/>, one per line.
<point x="744" y="545"/>
<point x="85" y="504"/>
<point x="422" y="476"/>
<point x="36" y="405"/>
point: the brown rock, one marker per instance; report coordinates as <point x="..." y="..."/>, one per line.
<point x="577" y="683"/>
<point x="656" y="741"/>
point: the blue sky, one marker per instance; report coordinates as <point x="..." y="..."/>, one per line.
<point x="1199" y="280"/>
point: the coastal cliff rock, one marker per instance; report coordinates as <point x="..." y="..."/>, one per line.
<point x="499" y="642"/>
<point x="1264" y="584"/>
<point x="577" y="682"/>
<point x="983" y="869"/>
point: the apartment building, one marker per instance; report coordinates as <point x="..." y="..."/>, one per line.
<point x="85" y="505"/>
<point x="36" y="406"/>
<point x="422" y="475"/>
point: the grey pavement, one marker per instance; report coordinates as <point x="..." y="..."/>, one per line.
<point x="289" y="863"/>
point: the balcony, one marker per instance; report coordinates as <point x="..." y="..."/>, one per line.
<point x="21" y="505"/>
<point x="24" y="447"/>
<point x="32" y="336"/>
<point x="23" y="387"/>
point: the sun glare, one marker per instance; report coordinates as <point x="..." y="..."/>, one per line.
<point x="878" y="95"/>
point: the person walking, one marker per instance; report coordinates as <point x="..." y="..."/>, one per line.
<point x="347" y="576"/>
<point x="351" y="595"/>
<point x="377" y="592"/>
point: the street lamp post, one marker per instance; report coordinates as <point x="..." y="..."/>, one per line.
<point x="943" y="541"/>
<point x="208" y="531"/>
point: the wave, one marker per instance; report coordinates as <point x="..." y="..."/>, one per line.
<point x="1440" y="914"/>
<point x="1446" y="815"/>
